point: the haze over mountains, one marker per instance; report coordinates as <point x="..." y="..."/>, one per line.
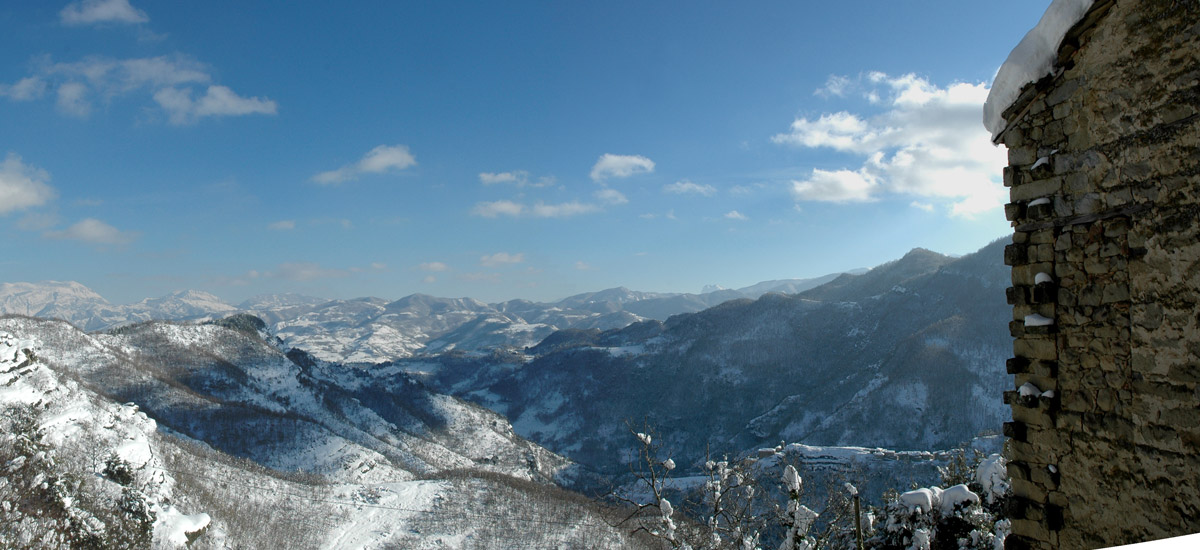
<point x="372" y="330"/>
<point x="909" y="355"/>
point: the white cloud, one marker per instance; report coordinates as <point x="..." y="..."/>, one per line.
<point x="620" y="166"/>
<point x="735" y="215"/>
<point x="836" y="85"/>
<point x="72" y="99"/>
<point x="87" y="12"/>
<point x="519" y="178"/>
<point x="501" y="258"/>
<point x="91" y="230"/>
<point x="382" y="159"/>
<point x="498" y="208"/>
<point x="561" y="210"/>
<point x="22" y="186"/>
<point x="26" y="89"/>
<point x="685" y="187"/>
<point x="492" y="178"/>
<point x="282" y="225"/>
<point x="927" y="144"/>
<point x="611" y="196"/>
<point x="178" y="84"/>
<point x="216" y="101"/>
<point x="836" y="186"/>
<point x="921" y="206"/>
<point x="539" y="209"/>
<point x="433" y="266"/>
<point x="582" y="266"/>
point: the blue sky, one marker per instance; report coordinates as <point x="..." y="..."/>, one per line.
<point x="499" y="150"/>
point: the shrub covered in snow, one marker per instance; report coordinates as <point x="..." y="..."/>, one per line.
<point x="950" y="518"/>
<point x="46" y="502"/>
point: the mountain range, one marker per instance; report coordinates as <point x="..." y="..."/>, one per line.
<point x="424" y="420"/>
<point x="909" y="355"/>
<point x="373" y="330"/>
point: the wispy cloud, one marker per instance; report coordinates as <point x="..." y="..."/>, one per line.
<point x="90" y="12"/>
<point x="26" y="89"/>
<point x="686" y="187"/>
<point x="611" y="196"/>
<point x="501" y="258"/>
<point x="282" y="225"/>
<point x="620" y="166"/>
<point x="496" y="209"/>
<point x="836" y="85"/>
<point x="181" y="108"/>
<point x="928" y="143"/>
<point x="22" y="186"/>
<point x="583" y="266"/>
<point x="539" y="209"/>
<point x="433" y="266"/>
<point x="181" y="86"/>
<point x="382" y="159"/>
<point x="91" y="230"/>
<point x="735" y="215"/>
<point x="519" y="178"/>
<point x="561" y="210"/>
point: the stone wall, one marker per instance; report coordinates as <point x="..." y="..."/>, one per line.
<point x="1104" y="170"/>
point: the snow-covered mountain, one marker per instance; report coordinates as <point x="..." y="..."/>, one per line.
<point x="908" y="355"/>
<point x="375" y="330"/>
<point x="222" y="436"/>
<point x="78" y="304"/>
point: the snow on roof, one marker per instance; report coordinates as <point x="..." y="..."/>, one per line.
<point x="1032" y="59"/>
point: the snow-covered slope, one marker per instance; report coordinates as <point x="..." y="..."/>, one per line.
<point x="909" y="355"/>
<point x="214" y="419"/>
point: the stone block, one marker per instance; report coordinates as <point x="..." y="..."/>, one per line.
<point x="1015" y="431"/>
<point x="1015" y="254"/>
<point x="1036" y="348"/>
<point x="1037" y="189"/>
<point x="1014" y="211"/>
<point x="1015" y="295"/>
<point x="1017" y="365"/>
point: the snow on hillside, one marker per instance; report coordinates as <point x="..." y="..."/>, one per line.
<point x="72" y="423"/>
<point x="197" y="389"/>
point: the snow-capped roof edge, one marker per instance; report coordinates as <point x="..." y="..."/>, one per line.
<point x="1034" y="57"/>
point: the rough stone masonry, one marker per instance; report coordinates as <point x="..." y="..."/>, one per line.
<point x="1104" y="171"/>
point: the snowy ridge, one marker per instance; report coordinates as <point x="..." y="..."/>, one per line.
<point x="72" y="417"/>
<point x="199" y="389"/>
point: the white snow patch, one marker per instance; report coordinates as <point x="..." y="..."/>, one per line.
<point x="992" y="475"/>
<point x="1038" y="320"/>
<point x="921" y="500"/>
<point x="958" y="495"/>
<point x="1032" y="59"/>
<point x="1028" y="389"/>
<point x="172" y="526"/>
<point x="1042" y="278"/>
<point x="1036" y="202"/>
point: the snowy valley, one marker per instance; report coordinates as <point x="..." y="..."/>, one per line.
<point x="428" y="422"/>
